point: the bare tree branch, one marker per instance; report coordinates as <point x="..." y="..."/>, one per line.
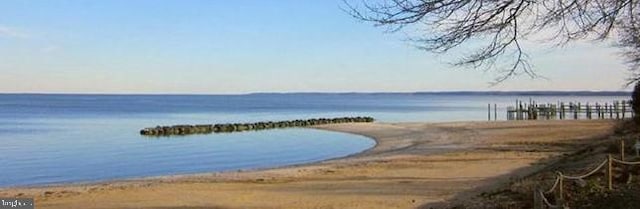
<point x="501" y="24"/>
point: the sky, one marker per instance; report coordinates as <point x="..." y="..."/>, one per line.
<point x="235" y="47"/>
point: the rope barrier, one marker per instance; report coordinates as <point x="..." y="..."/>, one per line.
<point x="626" y="162"/>
<point x="587" y="174"/>
<point x="546" y="202"/>
<point x="560" y="176"/>
<point x="554" y="185"/>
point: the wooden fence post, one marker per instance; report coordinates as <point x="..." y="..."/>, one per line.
<point x="622" y="149"/>
<point x="609" y="172"/>
<point x="537" y="200"/>
<point x="560" y="187"/>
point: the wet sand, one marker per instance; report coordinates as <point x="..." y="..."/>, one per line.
<point x="413" y="165"/>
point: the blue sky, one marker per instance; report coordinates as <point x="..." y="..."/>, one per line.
<point x="223" y="47"/>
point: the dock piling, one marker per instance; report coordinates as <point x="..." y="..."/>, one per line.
<point x="576" y="110"/>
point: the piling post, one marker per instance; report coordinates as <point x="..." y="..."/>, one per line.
<point x="520" y="112"/>
<point x="562" y="110"/>
<point x="624" y="108"/>
<point x="570" y="109"/>
<point x="549" y="111"/>
<point x="617" y="106"/>
<point x="532" y="111"/>
<point x="516" y="110"/>
<point x="495" y="111"/>
<point x="630" y="107"/>
<point x="575" y="112"/>
<point x="610" y="111"/>
<point x="489" y="112"/>
<point x="601" y="111"/>
<point x="512" y="113"/>
<point x="525" y="110"/>
<point x="611" y="108"/>
<point x="555" y="110"/>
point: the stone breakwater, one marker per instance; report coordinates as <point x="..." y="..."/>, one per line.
<point x="237" y="127"/>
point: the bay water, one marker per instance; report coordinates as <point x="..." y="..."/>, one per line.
<point x="62" y="138"/>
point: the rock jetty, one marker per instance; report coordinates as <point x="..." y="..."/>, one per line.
<point x="237" y="127"/>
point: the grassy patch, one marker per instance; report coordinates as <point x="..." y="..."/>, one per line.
<point x="590" y="193"/>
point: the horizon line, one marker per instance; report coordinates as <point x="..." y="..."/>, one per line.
<point x="335" y="92"/>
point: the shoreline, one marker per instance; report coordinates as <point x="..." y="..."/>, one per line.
<point x="197" y="174"/>
<point x="403" y="146"/>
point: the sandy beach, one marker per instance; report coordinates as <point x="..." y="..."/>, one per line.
<point x="413" y="165"/>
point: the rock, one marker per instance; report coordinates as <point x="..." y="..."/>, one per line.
<point x="234" y="127"/>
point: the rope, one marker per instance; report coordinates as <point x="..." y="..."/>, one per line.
<point x="587" y="174"/>
<point x="554" y="184"/>
<point x="546" y="202"/>
<point x="625" y="162"/>
<point x="560" y="176"/>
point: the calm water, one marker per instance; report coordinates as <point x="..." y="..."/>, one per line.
<point x="47" y="139"/>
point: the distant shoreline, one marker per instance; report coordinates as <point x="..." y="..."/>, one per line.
<point x="450" y="93"/>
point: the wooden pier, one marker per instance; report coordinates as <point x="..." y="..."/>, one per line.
<point x="570" y="110"/>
